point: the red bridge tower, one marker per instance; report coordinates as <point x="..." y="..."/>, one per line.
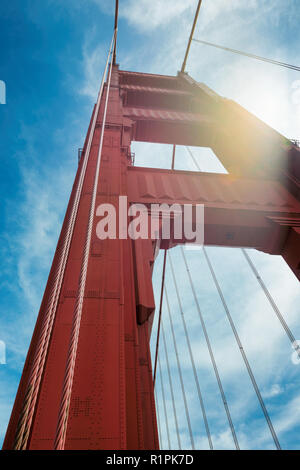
<point x="87" y="381"/>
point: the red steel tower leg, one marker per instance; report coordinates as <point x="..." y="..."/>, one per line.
<point x="112" y="403"/>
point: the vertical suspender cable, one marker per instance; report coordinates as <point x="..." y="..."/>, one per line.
<point x="212" y="358"/>
<point x="158" y="418"/>
<point x="235" y="331"/>
<point x="180" y="373"/>
<point x="164" y="403"/>
<point x="30" y="399"/>
<point x="171" y="385"/>
<point x="160" y="324"/>
<point x="61" y="430"/>
<point x="262" y="284"/>
<point x="173" y="157"/>
<point x="159" y="317"/>
<point x="191" y="357"/>
<point x="255" y="386"/>
<point x="193" y="158"/>
<point x="273" y="304"/>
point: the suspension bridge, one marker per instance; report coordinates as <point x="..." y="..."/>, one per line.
<point x="103" y="371"/>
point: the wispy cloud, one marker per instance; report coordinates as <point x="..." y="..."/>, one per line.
<point x="147" y="16"/>
<point x="273" y="391"/>
<point x="93" y="64"/>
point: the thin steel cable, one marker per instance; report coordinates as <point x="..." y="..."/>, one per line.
<point x="158" y="417"/>
<point x="29" y="404"/>
<point x="191" y="36"/>
<point x="187" y="414"/>
<point x="193" y="158"/>
<point x="171" y="384"/>
<point x="273" y="304"/>
<point x="255" y="386"/>
<point x="281" y="319"/>
<point x="25" y="419"/>
<point x="211" y="354"/>
<point x="61" y="430"/>
<point x="159" y="317"/>
<point x="164" y="402"/>
<point x="191" y="356"/>
<point x="252" y="56"/>
<point x="173" y="157"/>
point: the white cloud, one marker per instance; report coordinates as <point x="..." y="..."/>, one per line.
<point x="289" y="416"/>
<point x="273" y="391"/>
<point x="93" y="64"/>
<point x="148" y="15"/>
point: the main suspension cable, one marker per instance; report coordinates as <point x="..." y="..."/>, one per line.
<point x="191" y="356"/>
<point x="116" y="29"/>
<point x="212" y="358"/>
<point x="187" y="414"/>
<point x="185" y="60"/>
<point x="191" y="36"/>
<point x="251" y="375"/>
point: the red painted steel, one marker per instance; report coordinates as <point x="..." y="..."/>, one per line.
<point x="238" y="212"/>
<point x="255" y="205"/>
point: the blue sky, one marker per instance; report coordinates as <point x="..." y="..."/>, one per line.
<point x="52" y="57"/>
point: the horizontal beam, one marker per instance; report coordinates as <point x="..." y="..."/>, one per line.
<point x="238" y="212"/>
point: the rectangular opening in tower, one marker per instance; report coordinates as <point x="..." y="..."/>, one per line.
<point x="153" y="155"/>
